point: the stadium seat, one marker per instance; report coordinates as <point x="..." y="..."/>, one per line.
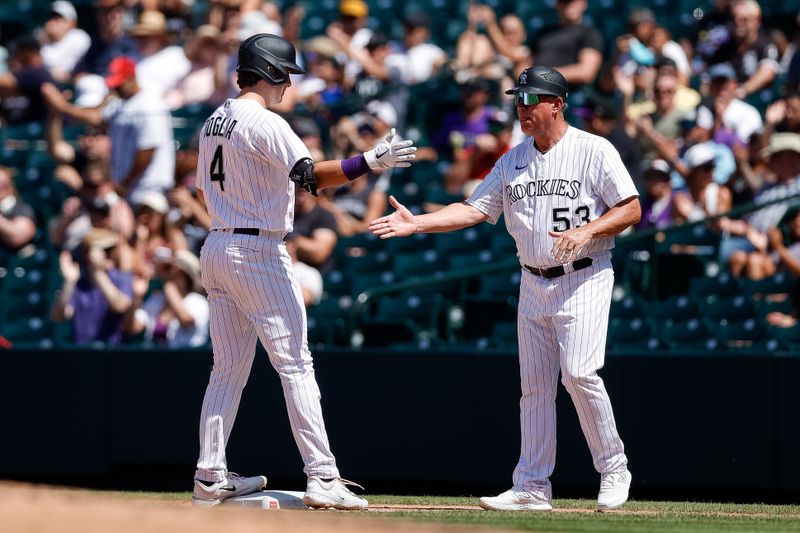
<point x="364" y="282"/>
<point x="464" y="261"/>
<point x="418" y="264"/>
<point x="723" y="284"/>
<point x="780" y="283"/>
<point x="629" y="307"/>
<point x="623" y="332"/>
<point x="400" y="319"/>
<point x="466" y="240"/>
<point x="735" y="334"/>
<point x="500" y="286"/>
<point x="716" y="307"/>
<point x="369" y="262"/>
<point x="690" y="334"/>
<point x="787" y="337"/>
<point x="335" y="283"/>
<point x="676" y="308"/>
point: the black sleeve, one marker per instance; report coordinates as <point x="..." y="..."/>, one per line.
<point x="592" y="38"/>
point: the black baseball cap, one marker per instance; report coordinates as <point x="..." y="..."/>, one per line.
<point x="541" y="80"/>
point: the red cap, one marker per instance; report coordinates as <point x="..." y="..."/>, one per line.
<point x="120" y="70"/>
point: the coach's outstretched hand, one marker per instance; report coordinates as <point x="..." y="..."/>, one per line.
<point x="391" y="152"/>
<point x="398" y="224"/>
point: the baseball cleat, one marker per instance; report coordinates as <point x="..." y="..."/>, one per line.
<point x="614" y="487"/>
<point x="332" y="493"/>
<point x="516" y="500"/>
<point x="206" y="495"/>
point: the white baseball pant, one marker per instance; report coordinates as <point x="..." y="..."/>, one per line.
<point x="562" y="326"/>
<point x="253" y="294"/>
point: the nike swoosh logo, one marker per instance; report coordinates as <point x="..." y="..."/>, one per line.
<point x="379" y="155"/>
<point x="232" y="488"/>
<point x="520" y="168"/>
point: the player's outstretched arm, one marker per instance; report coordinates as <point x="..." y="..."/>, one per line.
<point x="403" y="223"/>
<point x="389" y="153"/>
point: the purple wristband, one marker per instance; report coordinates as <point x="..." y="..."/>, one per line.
<point x="355" y="167"/>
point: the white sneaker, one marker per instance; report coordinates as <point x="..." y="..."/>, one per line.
<point x="516" y="500"/>
<point x="332" y="493"/>
<point x="234" y="485"/>
<point x="614" y="487"/>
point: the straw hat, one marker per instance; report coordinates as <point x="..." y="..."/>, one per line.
<point x="151" y="23"/>
<point x="189" y="265"/>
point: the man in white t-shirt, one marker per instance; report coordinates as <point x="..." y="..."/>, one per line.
<point x="159" y="67"/>
<point x="738" y="116"/>
<point x="423" y="59"/>
<point x="139" y="126"/>
<point x="65" y="44"/>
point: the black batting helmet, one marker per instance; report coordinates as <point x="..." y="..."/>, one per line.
<point x="541" y="80"/>
<point x="270" y="57"/>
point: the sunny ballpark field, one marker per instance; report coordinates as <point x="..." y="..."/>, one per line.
<point x="28" y="508"/>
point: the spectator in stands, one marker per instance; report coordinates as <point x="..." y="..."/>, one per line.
<point x="459" y="129"/>
<point x="750" y="234"/>
<point x="508" y="37"/>
<point x="17" y="220"/>
<point x="657" y="201"/>
<point x="573" y="46"/>
<point x="159" y="66"/>
<point x="140" y="129"/>
<point x="602" y="117"/>
<point x="355" y="204"/>
<point x="634" y="49"/>
<point x="784" y="241"/>
<point x="109" y="41"/>
<point x="704" y="197"/>
<point x="20" y="88"/>
<point x="783" y="115"/>
<point x="422" y="58"/>
<point x="666" y="48"/>
<point x="96" y="294"/>
<point x="314" y="232"/>
<point x="711" y="31"/>
<point x="177" y="315"/>
<point x="324" y="86"/>
<point x="381" y="76"/>
<point x="206" y="82"/>
<point x="152" y="231"/>
<point x="475" y="53"/>
<point x="188" y="219"/>
<point x="96" y="206"/>
<point x="734" y="120"/>
<point x="350" y="31"/>
<point x="474" y="163"/>
<point x="665" y="120"/>
<point x="65" y="44"/>
<point x="308" y="277"/>
<point x="751" y="53"/>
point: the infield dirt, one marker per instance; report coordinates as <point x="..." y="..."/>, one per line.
<point x="28" y="508"/>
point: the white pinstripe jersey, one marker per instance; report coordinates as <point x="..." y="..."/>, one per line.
<point x="573" y="183"/>
<point x="246" y="153"/>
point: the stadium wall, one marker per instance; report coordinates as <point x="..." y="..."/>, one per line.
<point x="401" y="422"/>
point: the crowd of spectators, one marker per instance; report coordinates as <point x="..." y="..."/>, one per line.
<point x="706" y="119"/>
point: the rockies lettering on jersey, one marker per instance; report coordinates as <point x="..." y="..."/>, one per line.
<point x="573" y="183"/>
<point x="570" y="189"/>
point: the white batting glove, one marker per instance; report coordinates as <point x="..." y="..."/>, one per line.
<point x="391" y="152"/>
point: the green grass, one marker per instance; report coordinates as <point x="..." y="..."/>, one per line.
<point x="649" y="516"/>
<point x="637" y="516"/>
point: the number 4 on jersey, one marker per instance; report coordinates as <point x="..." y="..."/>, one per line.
<point x="216" y="170"/>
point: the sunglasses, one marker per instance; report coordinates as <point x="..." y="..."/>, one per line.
<point x="526" y="98"/>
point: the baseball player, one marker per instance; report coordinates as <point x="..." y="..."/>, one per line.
<point x="249" y="163"/>
<point x="564" y="193"/>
